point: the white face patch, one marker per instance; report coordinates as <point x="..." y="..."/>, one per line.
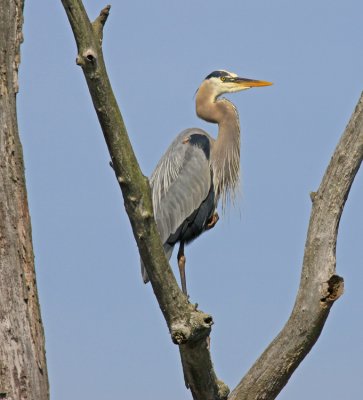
<point x="219" y="86"/>
<point x="232" y="74"/>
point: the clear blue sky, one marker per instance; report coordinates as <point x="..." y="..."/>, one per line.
<point x="105" y="335"/>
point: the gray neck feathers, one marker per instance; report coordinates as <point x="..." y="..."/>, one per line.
<point x="225" y="156"/>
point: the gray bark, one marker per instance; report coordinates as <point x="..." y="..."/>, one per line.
<point x="319" y="287"/>
<point x="23" y="372"/>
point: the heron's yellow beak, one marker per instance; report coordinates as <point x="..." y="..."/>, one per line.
<point x="249" y="83"/>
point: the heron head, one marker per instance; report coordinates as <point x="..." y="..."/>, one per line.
<point x="221" y="81"/>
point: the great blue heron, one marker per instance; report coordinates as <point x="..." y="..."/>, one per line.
<point x="197" y="170"/>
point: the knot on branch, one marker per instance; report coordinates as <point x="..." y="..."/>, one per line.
<point x="332" y="290"/>
<point x="180" y="333"/>
<point x="223" y="390"/>
<point x="196" y="328"/>
<point x="88" y="58"/>
<point x="313" y="196"/>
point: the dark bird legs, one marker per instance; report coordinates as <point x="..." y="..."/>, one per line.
<point x="181" y="265"/>
<point x="181" y="256"/>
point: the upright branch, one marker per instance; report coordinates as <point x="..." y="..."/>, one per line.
<point x="188" y="326"/>
<point x="23" y="367"/>
<point x="319" y="285"/>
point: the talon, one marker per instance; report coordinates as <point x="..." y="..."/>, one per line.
<point x="212" y="221"/>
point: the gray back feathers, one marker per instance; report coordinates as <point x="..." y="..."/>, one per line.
<point x="180" y="182"/>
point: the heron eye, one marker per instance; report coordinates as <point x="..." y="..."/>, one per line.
<point x="223" y="78"/>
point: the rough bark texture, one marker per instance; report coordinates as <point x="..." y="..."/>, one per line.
<point x="319" y="285"/>
<point x="23" y="372"/>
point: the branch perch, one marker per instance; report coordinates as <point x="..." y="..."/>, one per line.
<point x="188" y="326"/>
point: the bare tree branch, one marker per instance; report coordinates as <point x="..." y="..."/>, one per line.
<point x="188" y="326"/>
<point x="319" y="285"/>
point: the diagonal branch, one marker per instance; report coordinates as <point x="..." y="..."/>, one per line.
<point x="188" y="326"/>
<point x="319" y="285"/>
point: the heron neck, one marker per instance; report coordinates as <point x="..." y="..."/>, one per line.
<point x="225" y="156"/>
<point x="228" y="124"/>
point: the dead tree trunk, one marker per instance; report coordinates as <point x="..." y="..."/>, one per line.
<point x="23" y="372"/>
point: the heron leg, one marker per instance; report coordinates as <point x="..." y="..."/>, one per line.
<point x="212" y="221"/>
<point x="181" y="265"/>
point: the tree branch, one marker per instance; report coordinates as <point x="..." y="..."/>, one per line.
<point x="319" y="285"/>
<point x="188" y="326"/>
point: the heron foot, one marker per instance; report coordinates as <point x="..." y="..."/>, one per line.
<point x="212" y="221"/>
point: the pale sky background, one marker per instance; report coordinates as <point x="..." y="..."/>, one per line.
<point x="105" y="335"/>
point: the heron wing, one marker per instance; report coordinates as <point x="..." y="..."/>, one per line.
<point x="181" y="181"/>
